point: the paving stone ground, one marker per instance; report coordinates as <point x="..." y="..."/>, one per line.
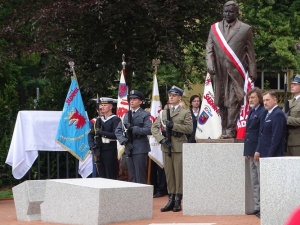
<point x="8" y="217"/>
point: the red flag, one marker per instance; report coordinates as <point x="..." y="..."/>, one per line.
<point x="241" y="123"/>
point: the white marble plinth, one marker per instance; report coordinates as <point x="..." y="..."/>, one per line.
<point x="214" y="179"/>
<point x="279" y="188"/>
<point x="27" y="198"/>
<point x="95" y="201"/>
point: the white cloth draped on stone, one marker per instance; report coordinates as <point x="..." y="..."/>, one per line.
<point x="35" y="131"/>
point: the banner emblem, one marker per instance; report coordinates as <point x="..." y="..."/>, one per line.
<point x="203" y="118"/>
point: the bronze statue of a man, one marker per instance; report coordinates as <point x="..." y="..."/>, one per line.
<point x="230" y="56"/>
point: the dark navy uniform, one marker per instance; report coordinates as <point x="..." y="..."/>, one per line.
<point x="108" y="165"/>
<point x="141" y="127"/>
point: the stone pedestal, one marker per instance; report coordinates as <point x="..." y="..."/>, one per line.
<point x="27" y="198"/>
<point x="279" y="188"/>
<point x="96" y="201"/>
<point x="214" y="179"/>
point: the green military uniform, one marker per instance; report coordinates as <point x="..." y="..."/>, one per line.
<point x="183" y="124"/>
<point x="293" y="125"/>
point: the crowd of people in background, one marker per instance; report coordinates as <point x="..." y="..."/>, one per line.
<point x="269" y="133"/>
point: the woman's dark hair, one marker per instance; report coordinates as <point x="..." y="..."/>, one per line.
<point x="193" y="98"/>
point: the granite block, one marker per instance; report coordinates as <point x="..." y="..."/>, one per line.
<point x="214" y="179"/>
<point x="96" y="201"/>
<point x="27" y="198"/>
<point x="279" y="188"/>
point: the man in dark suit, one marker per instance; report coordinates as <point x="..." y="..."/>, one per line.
<point x="253" y="126"/>
<point x="273" y="129"/>
<point x="237" y="40"/>
<point x="137" y="151"/>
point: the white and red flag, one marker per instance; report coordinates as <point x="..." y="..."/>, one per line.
<point x="122" y="106"/>
<point x="241" y="123"/>
<point x="209" y="125"/>
<point x="155" y="154"/>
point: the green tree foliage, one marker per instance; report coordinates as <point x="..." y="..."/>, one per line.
<point x="276" y="26"/>
<point x="39" y="38"/>
<point x="96" y="33"/>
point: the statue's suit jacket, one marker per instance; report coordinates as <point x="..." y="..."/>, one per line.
<point x="272" y="133"/>
<point x="240" y="39"/>
<point x="253" y="126"/>
<point x="293" y="124"/>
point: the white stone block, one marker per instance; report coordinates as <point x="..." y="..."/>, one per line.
<point x="96" y="201"/>
<point x="27" y="198"/>
<point x="279" y="188"/>
<point x="214" y="179"/>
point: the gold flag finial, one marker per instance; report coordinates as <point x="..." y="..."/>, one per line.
<point x="155" y="63"/>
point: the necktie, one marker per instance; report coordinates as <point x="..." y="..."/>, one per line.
<point x="267" y="115"/>
<point x="252" y="113"/>
<point x="173" y="109"/>
<point x="227" y="29"/>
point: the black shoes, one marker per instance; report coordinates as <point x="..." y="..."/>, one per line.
<point x="158" y="195"/>
<point x="174" y="203"/>
<point x="177" y="205"/>
<point x="170" y="204"/>
<point x="254" y="212"/>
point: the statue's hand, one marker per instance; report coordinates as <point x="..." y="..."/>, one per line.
<point x="253" y="79"/>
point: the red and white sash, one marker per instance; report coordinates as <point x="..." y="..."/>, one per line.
<point x="248" y="85"/>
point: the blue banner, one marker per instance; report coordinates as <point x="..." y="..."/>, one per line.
<point x="73" y="128"/>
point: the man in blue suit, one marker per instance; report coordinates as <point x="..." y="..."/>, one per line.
<point x="273" y="129"/>
<point x="253" y="126"/>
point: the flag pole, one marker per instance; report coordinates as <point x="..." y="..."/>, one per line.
<point x="72" y="70"/>
<point x="155" y="63"/>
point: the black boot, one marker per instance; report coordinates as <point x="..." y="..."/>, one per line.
<point x="170" y="205"/>
<point x="177" y="206"/>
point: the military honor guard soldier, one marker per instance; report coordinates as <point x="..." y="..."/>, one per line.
<point x="293" y="120"/>
<point x="180" y="123"/>
<point x="136" y="150"/>
<point x="107" y="162"/>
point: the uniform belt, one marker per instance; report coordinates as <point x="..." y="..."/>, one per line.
<point x="176" y="134"/>
<point x="107" y="140"/>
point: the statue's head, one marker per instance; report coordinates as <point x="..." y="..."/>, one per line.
<point x="230" y="11"/>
